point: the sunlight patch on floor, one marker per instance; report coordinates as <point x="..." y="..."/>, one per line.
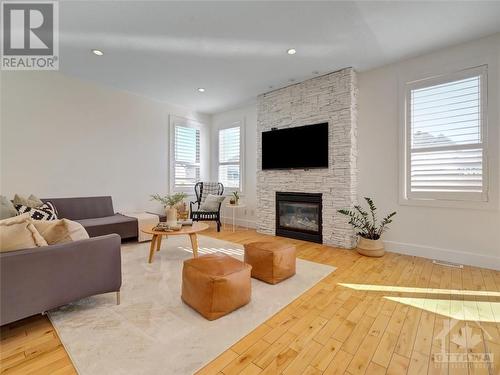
<point x="403" y="289"/>
<point x="478" y="311"/>
<point x="212" y="250"/>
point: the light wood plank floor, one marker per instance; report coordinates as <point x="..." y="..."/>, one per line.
<point x="392" y="315"/>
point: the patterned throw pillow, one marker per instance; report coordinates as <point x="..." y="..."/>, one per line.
<point x="46" y="211"/>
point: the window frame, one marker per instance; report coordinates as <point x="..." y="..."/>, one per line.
<point x="188" y="123"/>
<point x="234" y="124"/>
<point x="454" y="199"/>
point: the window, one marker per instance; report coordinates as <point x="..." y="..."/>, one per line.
<point x="230" y="157"/>
<point x="186" y="154"/>
<point x="445" y="137"/>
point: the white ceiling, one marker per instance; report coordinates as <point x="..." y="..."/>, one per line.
<point x="237" y="50"/>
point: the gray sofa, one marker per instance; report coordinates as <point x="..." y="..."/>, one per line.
<point x="39" y="279"/>
<point x="96" y="214"/>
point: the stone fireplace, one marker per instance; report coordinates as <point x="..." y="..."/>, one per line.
<point x="330" y="98"/>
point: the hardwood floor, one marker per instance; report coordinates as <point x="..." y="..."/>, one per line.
<point x="390" y="315"/>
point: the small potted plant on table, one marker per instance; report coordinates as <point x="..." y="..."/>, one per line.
<point x="169" y="203"/>
<point x="369" y="232"/>
<point x="235" y="198"/>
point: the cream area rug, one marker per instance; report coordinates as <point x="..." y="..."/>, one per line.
<point x="152" y="331"/>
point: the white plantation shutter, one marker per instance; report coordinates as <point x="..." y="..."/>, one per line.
<point x="445" y="130"/>
<point x="229" y="157"/>
<point x="186" y="156"/>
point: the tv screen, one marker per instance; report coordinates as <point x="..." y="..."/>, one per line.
<point x="302" y="147"/>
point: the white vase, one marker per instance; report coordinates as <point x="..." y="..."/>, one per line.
<point x="171" y="216"/>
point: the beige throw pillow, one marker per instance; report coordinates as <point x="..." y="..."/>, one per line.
<point x="60" y="231"/>
<point x="76" y="231"/>
<point x="53" y="231"/>
<point x="32" y="201"/>
<point x="19" y="233"/>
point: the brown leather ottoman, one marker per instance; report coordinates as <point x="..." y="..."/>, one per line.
<point x="215" y="284"/>
<point x="271" y="262"/>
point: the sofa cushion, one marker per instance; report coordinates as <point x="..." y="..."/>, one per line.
<point x="7" y="209"/>
<point x="108" y="220"/>
<point x="45" y="212"/>
<point x="19" y="233"/>
<point x="60" y="231"/>
<point x="31" y="201"/>
<point x="123" y="225"/>
<point x="83" y="207"/>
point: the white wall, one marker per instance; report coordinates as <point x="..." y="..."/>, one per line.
<point x="454" y="234"/>
<point x="247" y="115"/>
<point x="63" y="137"/>
<point x="467" y="236"/>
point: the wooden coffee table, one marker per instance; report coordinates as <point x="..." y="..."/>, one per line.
<point x="190" y="230"/>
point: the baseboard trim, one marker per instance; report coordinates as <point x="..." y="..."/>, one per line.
<point x="454" y="256"/>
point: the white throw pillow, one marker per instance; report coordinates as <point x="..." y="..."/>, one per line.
<point x="212" y="202"/>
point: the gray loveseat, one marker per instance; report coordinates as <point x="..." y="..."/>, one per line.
<point x="39" y="279"/>
<point x="97" y="216"/>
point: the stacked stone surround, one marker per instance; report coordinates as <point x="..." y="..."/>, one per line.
<point x="330" y="98"/>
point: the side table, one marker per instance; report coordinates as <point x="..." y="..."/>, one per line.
<point x="234" y="207"/>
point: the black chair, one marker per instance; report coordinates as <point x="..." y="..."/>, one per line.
<point x="202" y="190"/>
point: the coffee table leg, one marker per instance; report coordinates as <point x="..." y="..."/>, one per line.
<point x="194" y="244"/>
<point x="158" y="243"/>
<point x="152" y="249"/>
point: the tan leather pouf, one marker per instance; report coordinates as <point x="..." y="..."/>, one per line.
<point x="215" y="284"/>
<point x="271" y="262"/>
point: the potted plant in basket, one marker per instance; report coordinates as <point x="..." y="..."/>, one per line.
<point x="170" y="202"/>
<point x="369" y="232"/>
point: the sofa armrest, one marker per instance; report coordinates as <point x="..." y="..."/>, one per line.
<point x="39" y="279"/>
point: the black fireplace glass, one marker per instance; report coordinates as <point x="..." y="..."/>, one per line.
<point x="299" y="215"/>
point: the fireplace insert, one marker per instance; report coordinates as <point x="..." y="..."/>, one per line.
<point x="298" y="215"/>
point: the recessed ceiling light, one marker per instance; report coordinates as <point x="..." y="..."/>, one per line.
<point x="291" y="51"/>
<point x="201" y="89"/>
<point x="97" y="52"/>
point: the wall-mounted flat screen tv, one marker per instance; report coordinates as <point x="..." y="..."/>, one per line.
<point x="301" y="147"/>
